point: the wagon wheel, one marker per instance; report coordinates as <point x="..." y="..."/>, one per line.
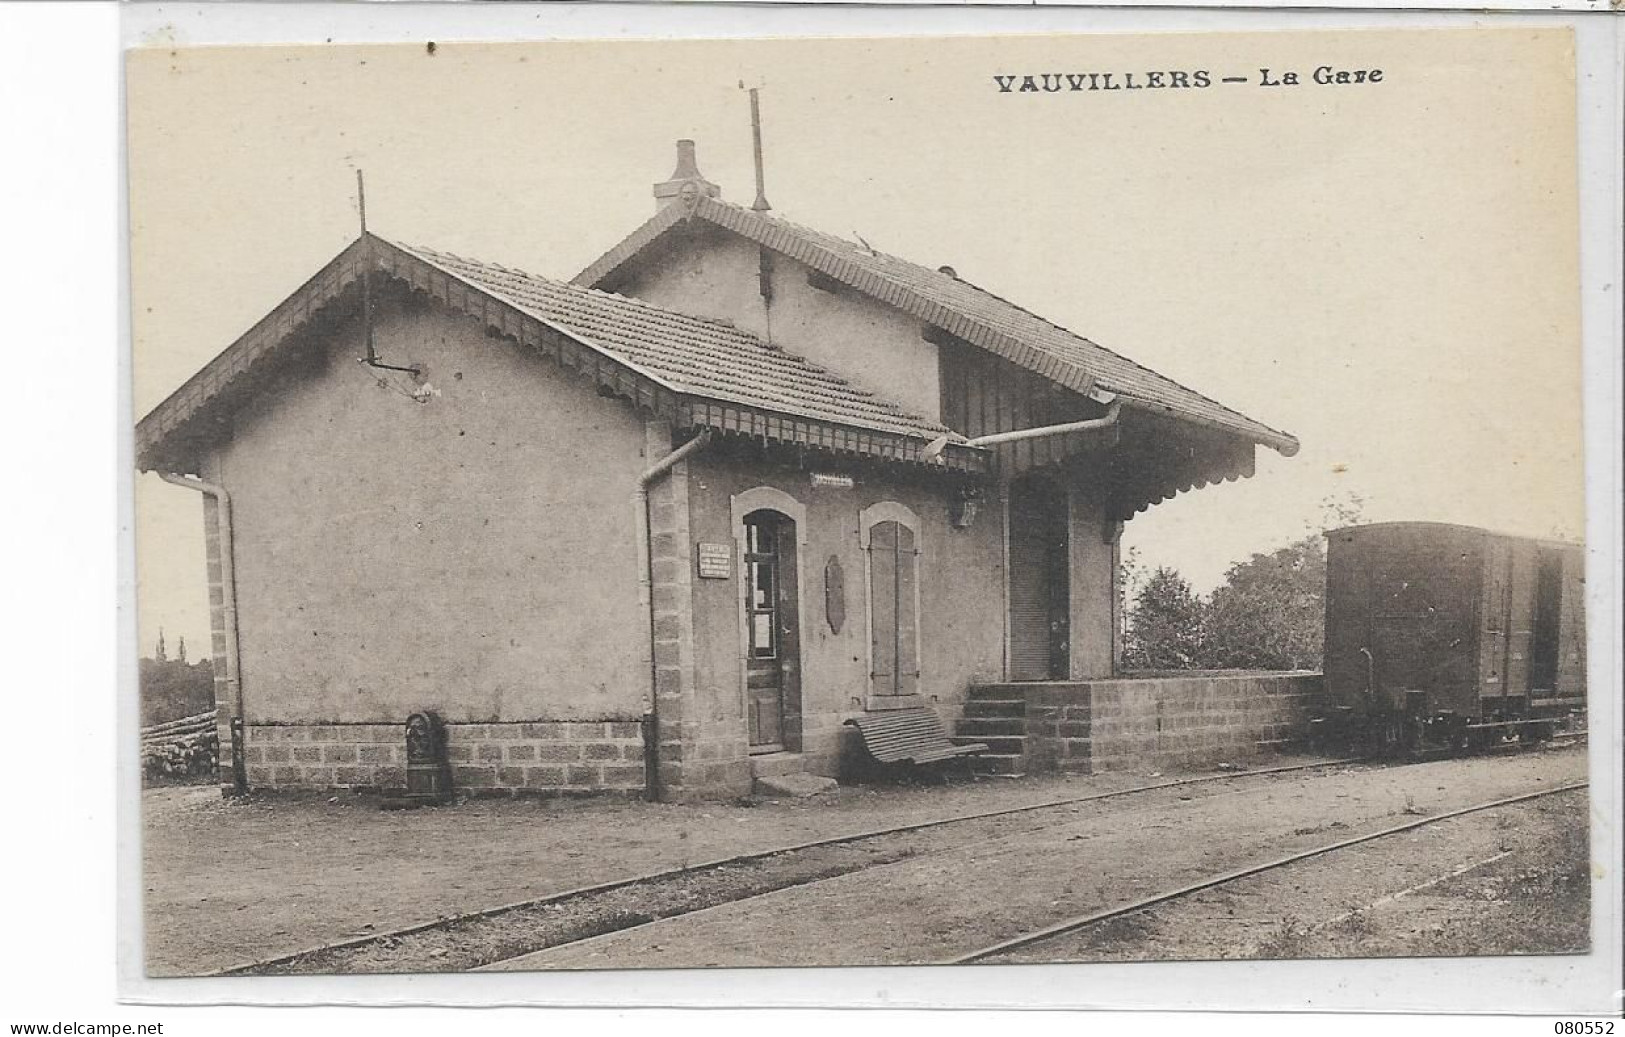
<point x="1477" y="740"/>
<point x="1534" y="732"/>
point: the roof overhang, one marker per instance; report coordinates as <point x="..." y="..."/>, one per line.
<point x="772" y="235"/>
<point x="193" y="411"/>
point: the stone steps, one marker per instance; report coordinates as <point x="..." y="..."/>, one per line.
<point x="996" y="716"/>
<point x="776" y="765"/>
<point x="1000" y="691"/>
<point x="982" y="728"/>
<point x="1008" y="744"/>
<point x="1008" y="708"/>
<point x="786" y="775"/>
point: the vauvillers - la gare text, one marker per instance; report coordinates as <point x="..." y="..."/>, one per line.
<point x="1058" y="82"/>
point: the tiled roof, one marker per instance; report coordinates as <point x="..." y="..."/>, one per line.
<point x="690" y="355"/>
<point x="961" y="309"/>
<point x="695" y="371"/>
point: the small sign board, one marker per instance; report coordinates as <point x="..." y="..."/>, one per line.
<point x="830" y="480"/>
<point x="716" y="561"/>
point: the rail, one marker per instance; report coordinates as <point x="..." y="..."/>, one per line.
<point x="1084" y="921"/>
<point x="493" y="913"/>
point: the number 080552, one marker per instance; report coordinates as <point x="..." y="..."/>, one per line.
<point x="1586" y="1028"/>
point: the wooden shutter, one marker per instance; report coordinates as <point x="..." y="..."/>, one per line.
<point x="908" y="662"/>
<point x="883" y="608"/>
<point x="893" y="618"/>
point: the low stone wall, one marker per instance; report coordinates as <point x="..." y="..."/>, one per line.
<point x="563" y="756"/>
<point x="1163" y="722"/>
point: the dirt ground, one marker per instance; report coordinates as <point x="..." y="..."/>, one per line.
<point x="229" y="882"/>
<point x="1001" y="888"/>
<point x="1514" y="880"/>
<point x="475" y="941"/>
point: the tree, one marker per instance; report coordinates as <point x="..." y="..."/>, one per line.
<point x="1166" y="625"/>
<point x="174" y="688"/>
<point x="1269" y="614"/>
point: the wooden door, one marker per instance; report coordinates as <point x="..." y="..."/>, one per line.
<point x="1543" y="654"/>
<point x="1495" y="623"/>
<point x="772" y="628"/>
<point x="1040" y="584"/>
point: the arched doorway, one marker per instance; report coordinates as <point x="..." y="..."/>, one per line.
<point x="772" y="633"/>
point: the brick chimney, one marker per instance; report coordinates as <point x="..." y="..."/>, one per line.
<point x="687" y="185"/>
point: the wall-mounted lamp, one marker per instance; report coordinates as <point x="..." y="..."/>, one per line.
<point x="963" y="511"/>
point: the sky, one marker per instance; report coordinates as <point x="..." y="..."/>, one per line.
<point x="1388" y="270"/>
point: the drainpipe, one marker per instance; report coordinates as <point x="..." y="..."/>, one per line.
<point x="228" y="595"/>
<point x="938" y="445"/>
<point x="640" y="499"/>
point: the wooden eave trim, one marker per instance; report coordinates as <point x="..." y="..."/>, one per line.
<point x="1137" y="486"/>
<point x="830" y="437"/>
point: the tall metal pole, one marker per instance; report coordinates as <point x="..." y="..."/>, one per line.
<point x="361" y="198"/>
<point x="760" y="205"/>
<point x="366" y="270"/>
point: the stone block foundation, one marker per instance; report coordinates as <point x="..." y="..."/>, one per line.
<point x="1157" y="722"/>
<point x="553" y="756"/>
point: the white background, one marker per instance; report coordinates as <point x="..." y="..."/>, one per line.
<point x="70" y="675"/>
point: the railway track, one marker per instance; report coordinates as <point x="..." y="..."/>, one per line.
<point x="515" y="930"/>
<point x="1075" y="924"/>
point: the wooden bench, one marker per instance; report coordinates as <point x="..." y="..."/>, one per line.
<point x="913" y="736"/>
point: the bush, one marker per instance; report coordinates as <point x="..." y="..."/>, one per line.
<point x="1167" y="626"/>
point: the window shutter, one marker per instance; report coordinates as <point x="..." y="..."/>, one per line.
<point x="883" y="601"/>
<point x="908" y="662"/>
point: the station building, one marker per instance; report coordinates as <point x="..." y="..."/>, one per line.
<point x="665" y="526"/>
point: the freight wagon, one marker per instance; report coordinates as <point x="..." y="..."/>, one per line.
<point x="1450" y="637"/>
